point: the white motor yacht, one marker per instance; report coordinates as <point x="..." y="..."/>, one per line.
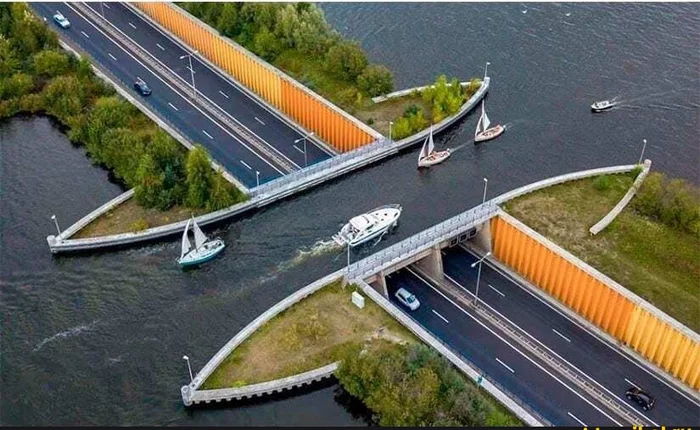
<point x="369" y="225"/>
<point x="602" y="105"/>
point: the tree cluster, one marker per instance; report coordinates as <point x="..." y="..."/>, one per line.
<point x="37" y="77"/>
<point x="414" y="386"/>
<point x="269" y="29"/>
<point x="674" y="202"/>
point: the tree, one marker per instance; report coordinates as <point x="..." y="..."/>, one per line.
<point x="17" y="85"/>
<point x="199" y="178"/>
<point x="287" y="22"/>
<point x="50" y="63"/>
<point x="150" y="182"/>
<point x="223" y="194"/>
<point x="64" y="97"/>
<point x="229" y="23"/>
<point x="266" y="45"/>
<point x="346" y="60"/>
<point x="376" y="80"/>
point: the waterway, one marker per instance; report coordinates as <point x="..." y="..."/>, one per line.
<point x="99" y="338"/>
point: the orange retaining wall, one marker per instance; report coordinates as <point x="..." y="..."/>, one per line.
<point x="599" y="303"/>
<point x="280" y="91"/>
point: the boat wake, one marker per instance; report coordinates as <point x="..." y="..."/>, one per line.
<point x="75" y="331"/>
<point x="510" y="125"/>
<point x="303" y="254"/>
<point x="634" y="100"/>
<point x="457" y="148"/>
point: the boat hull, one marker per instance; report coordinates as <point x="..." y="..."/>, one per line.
<point x="389" y="218"/>
<point x="598" y="109"/>
<point x="196" y="257"/>
<point x="489" y="134"/>
<point x="437" y="157"/>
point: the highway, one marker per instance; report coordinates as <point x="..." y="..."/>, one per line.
<point x="226" y="145"/>
<point x="603" y="365"/>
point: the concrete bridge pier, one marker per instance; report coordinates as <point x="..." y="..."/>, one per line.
<point x="431" y="264"/>
<point x="483" y="239"/>
<point x="378" y="282"/>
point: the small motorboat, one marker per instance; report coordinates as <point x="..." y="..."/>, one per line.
<point x="204" y="249"/>
<point x="428" y="155"/>
<point x="368" y="226"/>
<point x="483" y="132"/>
<point x="602" y="105"/>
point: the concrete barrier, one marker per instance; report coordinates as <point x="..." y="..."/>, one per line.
<point x="402" y="93"/>
<point x="614" y="212"/>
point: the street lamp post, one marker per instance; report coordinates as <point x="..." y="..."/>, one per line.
<point x="53" y="217"/>
<point x="187" y="359"/>
<point x="641" y="157"/>
<point x="483" y="199"/>
<point x="257" y="177"/>
<point x="304" y="140"/>
<point x="486" y="69"/>
<point x="478" y="277"/>
<point x="194" y="89"/>
<point x="102" y="6"/>
<point x="390" y="124"/>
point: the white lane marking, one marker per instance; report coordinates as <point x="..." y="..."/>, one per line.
<point x="259" y="120"/>
<point x="246" y="164"/>
<point x="561" y="335"/>
<point x="106" y="5"/>
<point x="505" y="365"/>
<point x="161" y="48"/>
<point x="584" y="329"/>
<point x="297" y="148"/>
<point x="544" y="346"/>
<point x="223" y="94"/>
<point x="173" y="106"/>
<point x="84" y="34"/>
<point x="132" y="25"/>
<point x="574" y="417"/>
<point x="187" y="99"/>
<point x="440" y="316"/>
<point x="512" y="347"/>
<point x="632" y="383"/>
<point x="208" y="135"/>
<point x="494" y="289"/>
<point x="223" y="76"/>
<point x="112" y="56"/>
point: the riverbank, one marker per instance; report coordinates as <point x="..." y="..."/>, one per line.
<point x="313" y="333"/>
<point x="651" y="259"/>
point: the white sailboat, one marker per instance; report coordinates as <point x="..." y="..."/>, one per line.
<point x="428" y="155"/>
<point x="204" y="249"/>
<point x="483" y="132"/>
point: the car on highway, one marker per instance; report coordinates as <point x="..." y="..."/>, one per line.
<point x="61" y="20"/>
<point x="408" y="299"/>
<point x="643" y="398"/>
<point x="141" y="86"/>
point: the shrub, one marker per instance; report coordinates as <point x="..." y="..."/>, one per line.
<point x="375" y="80"/>
<point x="50" y="63"/>
<point x="370" y="121"/>
<point x="674" y="202"/>
<point x="17" y="85"/>
<point x="602" y="183"/>
<point x="445" y="98"/>
<point x="139" y="225"/>
<point x="346" y="60"/>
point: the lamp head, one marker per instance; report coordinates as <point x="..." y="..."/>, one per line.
<point x="184" y="357"/>
<point x="53" y="216"/>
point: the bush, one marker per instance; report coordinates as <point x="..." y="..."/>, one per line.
<point x="376" y="80"/>
<point x="17" y="85"/>
<point x="602" y="183"/>
<point x="674" y="202"/>
<point x="50" y="63"/>
<point x="445" y="98"/>
<point x="346" y="60"/>
<point x="139" y="225"/>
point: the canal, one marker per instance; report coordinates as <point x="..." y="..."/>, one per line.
<point x="99" y="338"/>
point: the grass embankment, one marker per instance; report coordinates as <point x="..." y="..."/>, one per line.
<point x="311" y="334"/>
<point x="129" y="216"/>
<point x="401" y="379"/>
<point x="654" y="260"/>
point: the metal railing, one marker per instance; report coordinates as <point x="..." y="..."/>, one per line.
<point x="420" y="241"/>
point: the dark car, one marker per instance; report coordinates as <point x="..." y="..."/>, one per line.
<point x="645" y="400"/>
<point x="141" y="87"/>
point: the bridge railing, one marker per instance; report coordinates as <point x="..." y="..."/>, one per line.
<point x="406" y="248"/>
<point x="314" y="169"/>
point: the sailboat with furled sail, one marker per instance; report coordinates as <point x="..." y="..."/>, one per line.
<point x="428" y="155"/>
<point x="483" y="132"/>
<point x="204" y="249"/>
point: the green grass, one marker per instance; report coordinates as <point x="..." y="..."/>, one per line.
<point x="311" y="334"/>
<point x="654" y="261"/>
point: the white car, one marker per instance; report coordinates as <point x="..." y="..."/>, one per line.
<point x="61" y="20"/>
<point x="407" y="299"/>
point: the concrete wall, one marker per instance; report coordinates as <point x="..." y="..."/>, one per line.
<point x="408" y="91"/>
<point x="608" y="305"/>
<point x="327" y="121"/>
<point x="614" y="212"/>
<point x="432" y="263"/>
